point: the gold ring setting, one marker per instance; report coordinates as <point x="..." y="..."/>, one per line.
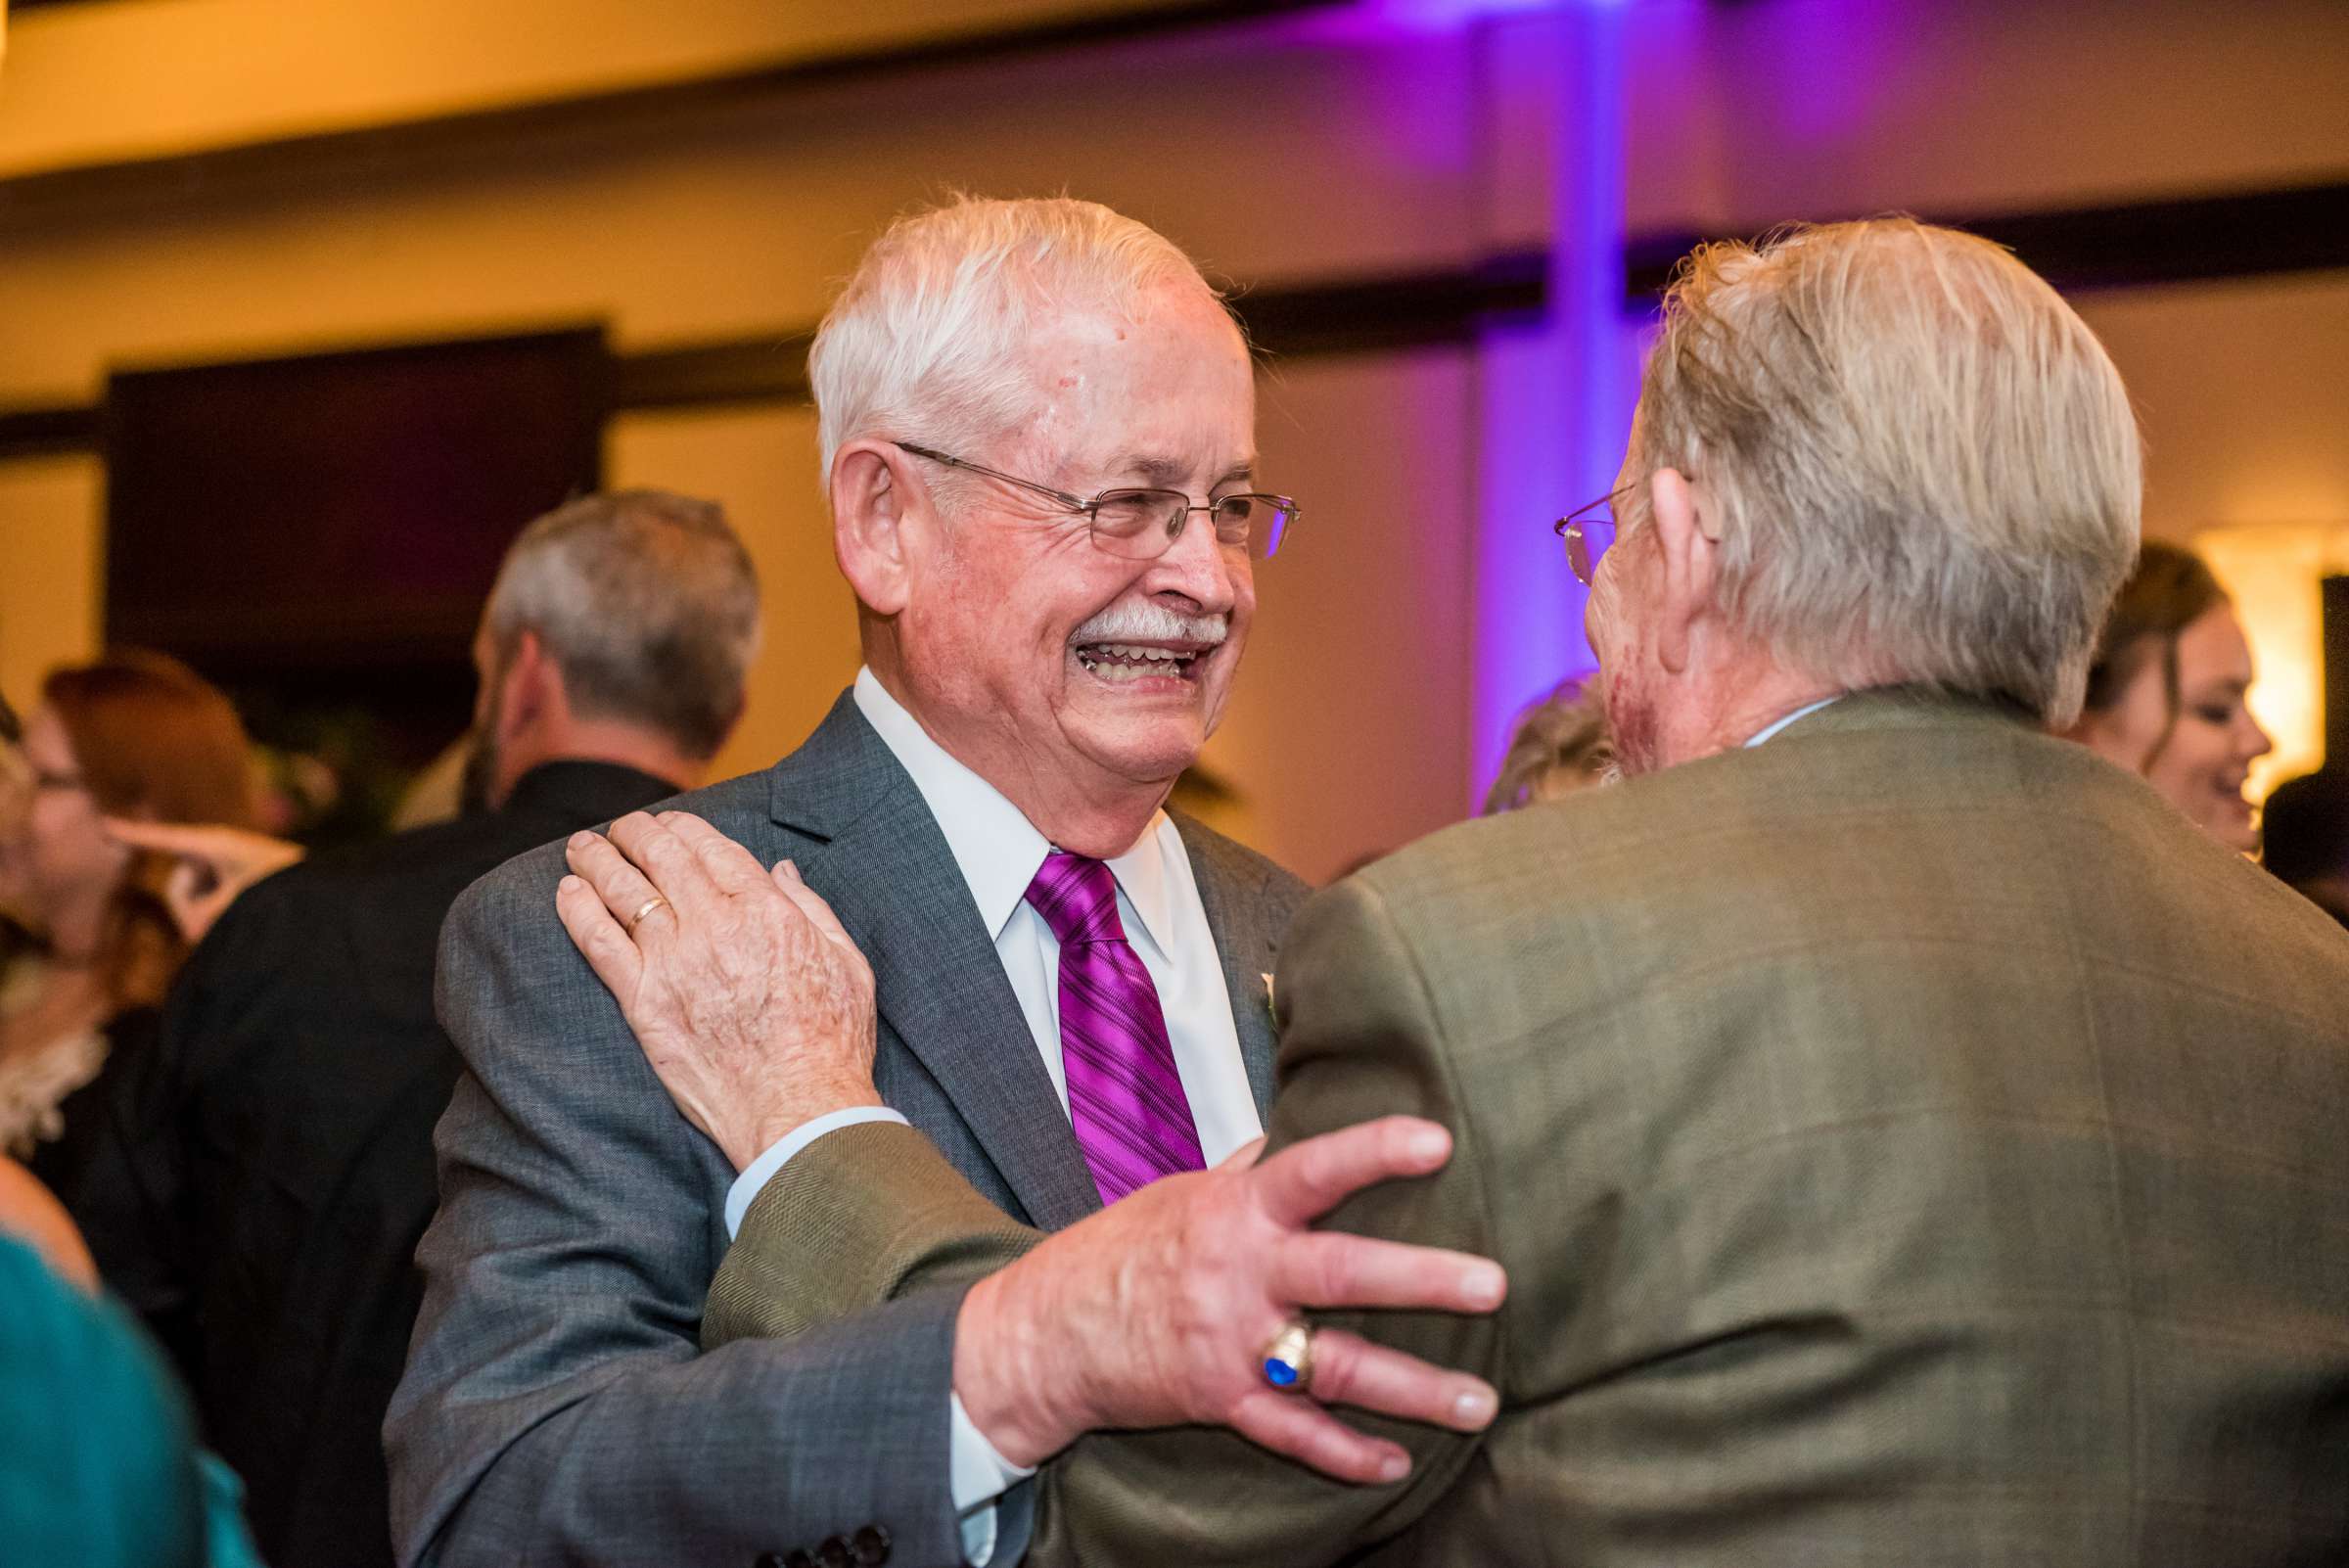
<point x="1288" y="1361"/>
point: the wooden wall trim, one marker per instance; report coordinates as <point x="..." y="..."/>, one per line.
<point x="1349" y="316"/>
<point x="2187" y="240"/>
<point x="51" y="432"/>
<point x="2191" y="239"/>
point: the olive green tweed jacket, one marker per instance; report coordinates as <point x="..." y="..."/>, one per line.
<point x="1909" y="1141"/>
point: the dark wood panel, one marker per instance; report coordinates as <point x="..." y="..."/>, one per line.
<point x="342" y="510"/>
<point x="2192" y="239"/>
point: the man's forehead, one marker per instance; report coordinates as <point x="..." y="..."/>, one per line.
<point x="1167" y="469"/>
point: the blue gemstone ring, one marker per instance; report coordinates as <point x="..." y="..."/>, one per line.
<point x="1289" y="1357"/>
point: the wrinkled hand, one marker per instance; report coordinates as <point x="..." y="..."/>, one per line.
<point x="748" y="1000"/>
<point x="217" y="864"/>
<point x="1156" y="1311"/>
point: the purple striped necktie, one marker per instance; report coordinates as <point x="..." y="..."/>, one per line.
<point x="1126" y="1098"/>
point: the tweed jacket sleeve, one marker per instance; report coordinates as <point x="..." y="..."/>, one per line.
<point x="1359" y="1039"/>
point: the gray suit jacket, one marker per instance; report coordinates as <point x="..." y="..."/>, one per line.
<point x="1910" y="1142"/>
<point x="556" y="1406"/>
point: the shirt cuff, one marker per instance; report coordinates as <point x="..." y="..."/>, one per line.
<point x="978" y="1475"/>
<point x="762" y="1170"/>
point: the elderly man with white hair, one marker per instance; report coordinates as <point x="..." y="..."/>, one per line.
<point x="1038" y="421"/>
<point x="1909" y="1139"/>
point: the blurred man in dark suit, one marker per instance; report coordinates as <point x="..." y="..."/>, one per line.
<point x="1907" y="1137"/>
<point x="2305" y="833"/>
<point x="305" y="1070"/>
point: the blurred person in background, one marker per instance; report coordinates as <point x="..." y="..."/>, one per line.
<point x="1908" y="1140"/>
<point x="1559" y="746"/>
<point x="99" y="1464"/>
<point x="212" y="865"/>
<point x="2306" y="832"/>
<point x="2166" y="693"/>
<point x="16" y="936"/>
<point x="291" y="1142"/>
<point x="140" y="736"/>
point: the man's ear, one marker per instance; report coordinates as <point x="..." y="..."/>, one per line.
<point x="871" y="497"/>
<point x="1688" y="547"/>
<point x="531" y="685"/>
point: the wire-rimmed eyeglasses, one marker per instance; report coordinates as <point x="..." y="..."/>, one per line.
<point x="1143" y="524"/>
<point x="1589" y="532"/>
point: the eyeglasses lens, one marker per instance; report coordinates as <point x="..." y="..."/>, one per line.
<point x="1142" y="524"/>
<point x="1587" y="539"/>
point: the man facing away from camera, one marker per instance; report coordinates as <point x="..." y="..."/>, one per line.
<point x="288" y="1137"/>
<point x="1038" y="424"/>
<point x="1908" y="1138"/>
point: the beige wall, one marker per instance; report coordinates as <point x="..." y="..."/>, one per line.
<point x="144" y="77"/>
<point x="1745" y="115"/>
<point x="1374" y="152"/>
<point x="54" y="584"/>
<point x="1351" y="719"/>
<point x="761" y="464"/>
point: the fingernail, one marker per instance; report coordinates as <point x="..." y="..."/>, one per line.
<point x="1474" y="1407"/>
<point x="565" y="885"/>
<point x="1432" y="1143"/>
<point x="582" y="838"/>
<point x="1484" y="1287"/>
<point x="1394" y="1467"/>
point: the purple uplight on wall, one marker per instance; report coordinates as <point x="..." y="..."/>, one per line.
<point x="1555" y="396"/>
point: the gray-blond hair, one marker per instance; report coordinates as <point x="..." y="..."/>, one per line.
<point x="925" y="341"/>
<point x="647" y="603"/>
<point x="1923" y="465"/>
<point x="1559" y="744"/>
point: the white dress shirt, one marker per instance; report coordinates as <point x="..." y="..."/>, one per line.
<point x="1769" y="732"/>
<point x="1000" y="852"/>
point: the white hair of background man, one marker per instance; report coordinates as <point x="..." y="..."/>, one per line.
<point x="1922" y="463"/>
<point x="926" y="342"/>
<point x="649" y="605"/>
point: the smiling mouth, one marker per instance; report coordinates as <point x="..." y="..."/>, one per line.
<point x="1124" y="662"/>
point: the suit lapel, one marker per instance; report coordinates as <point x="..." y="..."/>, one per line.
<point x="887" y="871"/>
<point x="1246" y="939"/>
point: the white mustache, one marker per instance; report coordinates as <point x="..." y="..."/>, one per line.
<point x="1144" y="621"/>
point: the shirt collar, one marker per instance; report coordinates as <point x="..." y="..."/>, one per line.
<point x="997" y="849"/>
<point x="1769" y="732"/>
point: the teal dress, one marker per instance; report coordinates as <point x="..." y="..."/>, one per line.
<point x="97" y="1459"/>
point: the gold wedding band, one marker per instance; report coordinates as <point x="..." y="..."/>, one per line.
<point x="643" y="909"/>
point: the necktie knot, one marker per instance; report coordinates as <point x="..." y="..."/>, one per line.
<point x="1078" y="897"/>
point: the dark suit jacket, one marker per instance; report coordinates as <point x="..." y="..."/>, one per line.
<point x="293" y="1147"/>
<point x="95" y="1168"/>
<point x="557" y="1408"/>
<point x="1910" y="1141"/>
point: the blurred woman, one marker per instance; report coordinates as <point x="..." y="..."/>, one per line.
<point x="1559" y="745"/>
<point x="134" y="735"/>
<point x="2165" y="696"/>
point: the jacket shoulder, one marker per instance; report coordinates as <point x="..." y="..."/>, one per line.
<point x="1242" y="870"/>
<point x="736" y="806"/>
